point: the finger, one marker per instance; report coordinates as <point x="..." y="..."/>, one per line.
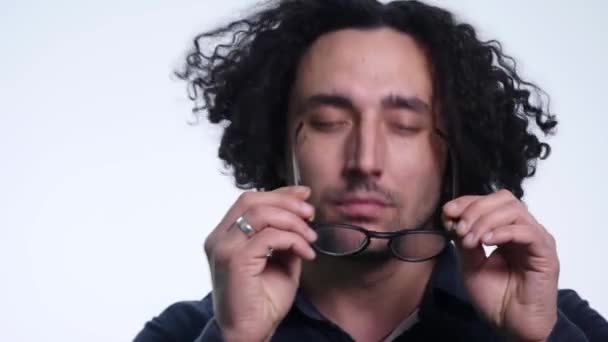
<point x="262" y="216"/>
<point x="279" y="240"/>
<point x="250" y="256"/>
<point x="288" y="198"/>
<point x="475" y="208"/>
<point x="537" y="242"/>
<point x="291" y="198"/>
<point x="453" y="210"/>
<point x="498" y="217"/>
<point x="300" y="191"/>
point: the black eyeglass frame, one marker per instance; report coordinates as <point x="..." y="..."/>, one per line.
<point x="392" y="238"/>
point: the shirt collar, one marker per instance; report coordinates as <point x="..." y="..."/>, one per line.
<point x="445" y="288"/>
<point x="446" y="275"/>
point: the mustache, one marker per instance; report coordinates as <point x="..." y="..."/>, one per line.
<point x="362" y="187"/>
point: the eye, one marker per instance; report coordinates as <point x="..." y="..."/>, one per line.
<point x="328" y="125"/>
<point x="404" y="129"/>
<point x="328" y="120"/>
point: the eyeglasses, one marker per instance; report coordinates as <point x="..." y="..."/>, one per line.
<point x="412" y="245"/>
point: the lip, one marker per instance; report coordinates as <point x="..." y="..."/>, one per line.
<point x="362" y="206"/>
<point x="359" y="198"/>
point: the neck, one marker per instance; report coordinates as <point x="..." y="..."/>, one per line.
<point x="381" y="292"/>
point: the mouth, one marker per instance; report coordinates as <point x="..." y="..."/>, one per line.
<point x="362" y="207"/>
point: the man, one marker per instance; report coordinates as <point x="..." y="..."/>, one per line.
<point x="388" y="144"/>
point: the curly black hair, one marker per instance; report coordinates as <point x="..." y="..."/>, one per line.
<point x="244" y="84"/>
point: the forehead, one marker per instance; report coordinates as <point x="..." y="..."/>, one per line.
<point x="365" y="65"/>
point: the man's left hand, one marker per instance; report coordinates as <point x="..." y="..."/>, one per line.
<point x="515" y="287"/>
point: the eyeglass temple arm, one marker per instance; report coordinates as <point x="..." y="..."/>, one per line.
<point x="453" y="164"/>
<point x="295" y="169"/>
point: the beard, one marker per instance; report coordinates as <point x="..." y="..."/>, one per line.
<point x="398" y="219"/>
<point x="378" y="250"/>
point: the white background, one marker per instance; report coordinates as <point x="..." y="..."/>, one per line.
<point x="106" y="193"/>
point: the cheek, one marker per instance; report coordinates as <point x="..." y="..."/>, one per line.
<point x="422" y="167"/>
<point x="319" y="168"/>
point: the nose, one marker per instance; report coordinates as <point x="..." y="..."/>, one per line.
<point x="365" y="151"/>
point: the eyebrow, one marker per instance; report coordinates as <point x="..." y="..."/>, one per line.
<point x="392" y="101"/>
<point x="395" y="101"/>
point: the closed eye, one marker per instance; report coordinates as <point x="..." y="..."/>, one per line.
<point x="328" y="126"/>
<point x="404" y="129"/>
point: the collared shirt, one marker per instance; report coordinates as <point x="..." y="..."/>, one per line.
<point x="445" y="314"/>
<point x="407" y="323"/>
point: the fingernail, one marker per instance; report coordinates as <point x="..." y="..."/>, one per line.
<point x="461" y="226"/>
<point x="312" y="253"/>
<point x="450" y="206"/>
<point x="308" y="209"/>
<point x="312" y="217"/>
<point x="487" y="237"/>
<point x="468" y="240"/>
<point x="312" y="234"/>
<point x="449" y="225"/>
<point x="302" y="190"/>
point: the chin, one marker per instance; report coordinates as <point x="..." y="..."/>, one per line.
<point x="376" y="225"/>
<point x="379" y="222"/>
<point x="378" y="246"/>
<point x="374" y="255"/>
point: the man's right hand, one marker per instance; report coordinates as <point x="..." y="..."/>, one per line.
<point x="251" y="292"/>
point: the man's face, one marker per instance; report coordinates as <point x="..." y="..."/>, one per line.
<point x="367" y="146"/>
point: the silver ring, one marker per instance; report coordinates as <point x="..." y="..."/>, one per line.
<point x="269" y="252"/>
<point x="244" y="226"/>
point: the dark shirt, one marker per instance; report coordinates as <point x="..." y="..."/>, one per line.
<point x="445" y="314"/>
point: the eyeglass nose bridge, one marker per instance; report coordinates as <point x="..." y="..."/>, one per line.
<point x="389" y="236"/>
<point x="383" y="235"/>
